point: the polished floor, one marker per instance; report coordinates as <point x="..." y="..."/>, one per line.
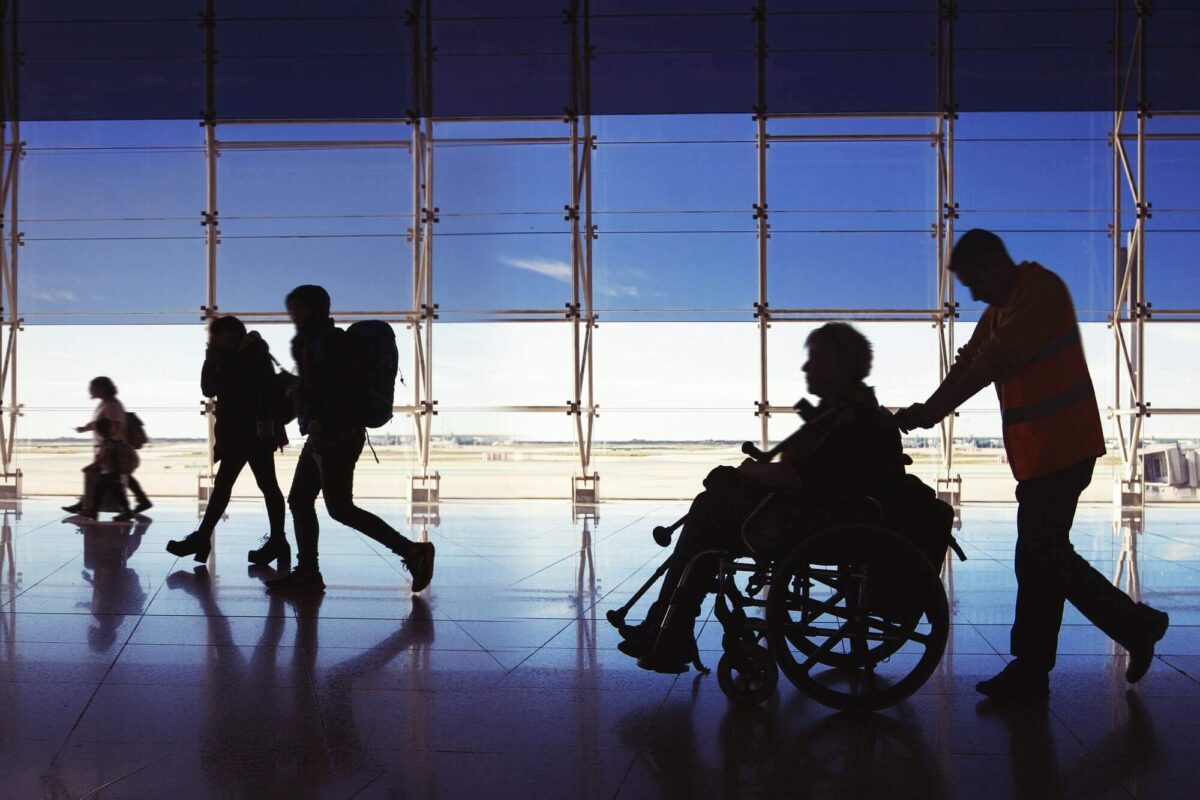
<point x="128" y="673"/>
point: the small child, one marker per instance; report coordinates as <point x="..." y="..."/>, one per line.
<point x="115" y="459"/>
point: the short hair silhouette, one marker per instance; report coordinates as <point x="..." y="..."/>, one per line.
<point x="107" y="388"/>
<point x="854" y="348"/>
<point x="228" y="324"/>
<point x="973" y="246"/>
<point x="313" y="296"/>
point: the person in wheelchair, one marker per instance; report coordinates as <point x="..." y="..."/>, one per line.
<point x="848" y="447"/>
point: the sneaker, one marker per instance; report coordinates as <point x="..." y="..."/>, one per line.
<point x="1017" y="685"/>
<point x="420" y="566"/>
<point x="143" y="507"/>
<point x="271" y="548"/>
<point x="74" y="508"/>
<point x="298" y="580"/>
<point x="1141" y="651"/>
<point x="124" y="516"/>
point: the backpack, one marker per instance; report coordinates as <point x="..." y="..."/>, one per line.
<point x="135" y="431"/>
<point x="376" y="366"/>
<point x="283" y="402"/>
<point x="926" y="521"/>
<point x="283" y="389"/>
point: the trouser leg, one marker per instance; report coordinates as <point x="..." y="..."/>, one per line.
<point x="302" y="498"/>
<point x="1046" y="564"/>
<point x="138" y="493"/>
<point x="106" y="484"/>
<point x="262" y="464"/>
<point x="222" y="490"/>
<point x="337" y="461"/>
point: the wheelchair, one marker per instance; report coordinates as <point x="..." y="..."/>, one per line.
<point x="849" y="608"/>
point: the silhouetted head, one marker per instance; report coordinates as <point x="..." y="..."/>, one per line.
<point x="839" y="358"/>
<point x="104" y="427"/>
<point x="102" y="388"/>
<point x="308" y="305"/>
<point x="226" y="333"/>
<point x="982" y="264"/>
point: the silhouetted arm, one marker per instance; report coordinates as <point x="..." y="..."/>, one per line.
<point x="997" y="350"/>
<point x="774" y="475"/>
<point x="209" y="373"/>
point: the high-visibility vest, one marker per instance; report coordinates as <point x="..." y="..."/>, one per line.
<point x="1051" y="420"/>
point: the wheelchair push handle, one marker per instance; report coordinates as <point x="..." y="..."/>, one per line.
<point x="662" y="535"/>
<point x="749" y="449"/>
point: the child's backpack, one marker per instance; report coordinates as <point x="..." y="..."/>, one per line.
<point x="376" y="365"/>
<point x="135" y="431"/>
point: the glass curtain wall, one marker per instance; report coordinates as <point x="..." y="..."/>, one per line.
<point x="717" y="244"/>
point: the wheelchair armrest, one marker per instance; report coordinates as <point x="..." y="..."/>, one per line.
<point x="873" y="506"/>
<point x="861" y="508"/>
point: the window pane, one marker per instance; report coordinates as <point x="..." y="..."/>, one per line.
<point x="295" y="211"/>
<point x="110" y="216"/>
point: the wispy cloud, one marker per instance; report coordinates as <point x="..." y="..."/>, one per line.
<point x="619" y="290"/>
<point x="561" y="271"/>
<point x="551" y="268"/>
<point x="55" y="296"/>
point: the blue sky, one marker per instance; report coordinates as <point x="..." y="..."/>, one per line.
<point x="673" y="197"/>
<point x="110" y="213"/>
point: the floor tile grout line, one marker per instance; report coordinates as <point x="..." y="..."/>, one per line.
<point x="37" y="528"/>
<point x="653" y="721"/>
<point x="578" y="551"/>
<point x="367" y="785"/>
<point x="112" y="665"/>
<point x="39" y="581"/>
<point x="130" y="774"/>
<point x="536" y="650"/>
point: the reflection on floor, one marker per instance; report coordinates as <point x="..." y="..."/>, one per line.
<point x="127" y="673"/>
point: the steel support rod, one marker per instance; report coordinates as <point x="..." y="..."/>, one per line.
<point x="212" y="232"/>
<point x="946" y="213"/>
<point x="762" y="224"/>
<point x="10" y="242"/>
<point x="424" y="310"/>
<point x="580" y="310"/>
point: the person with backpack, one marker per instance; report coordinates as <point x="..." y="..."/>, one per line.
<point x="346" y="379"/>
<point x="238" y="370"/>
<point x="109" y="407"/>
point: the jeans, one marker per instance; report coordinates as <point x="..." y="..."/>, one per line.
<point x="1050" y="572"/>
<point x="261" y="459"/>
<point x="326" y="466"/>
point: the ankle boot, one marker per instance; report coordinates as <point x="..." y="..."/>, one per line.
<point x="195" y="544"/>
<point x="273" y="547"/>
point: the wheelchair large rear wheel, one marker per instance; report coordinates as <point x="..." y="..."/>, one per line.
<point x="856" y="617"/>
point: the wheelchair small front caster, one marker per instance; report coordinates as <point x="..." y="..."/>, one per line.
<point x="747" y="674"/>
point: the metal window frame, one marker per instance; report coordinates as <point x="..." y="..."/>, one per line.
<point x="1131" y="312"/>
<point x="12" y="151"/>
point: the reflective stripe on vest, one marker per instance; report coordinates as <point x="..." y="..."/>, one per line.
<point x="1050" y="415"/>
<point x="1036" y="411"/>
